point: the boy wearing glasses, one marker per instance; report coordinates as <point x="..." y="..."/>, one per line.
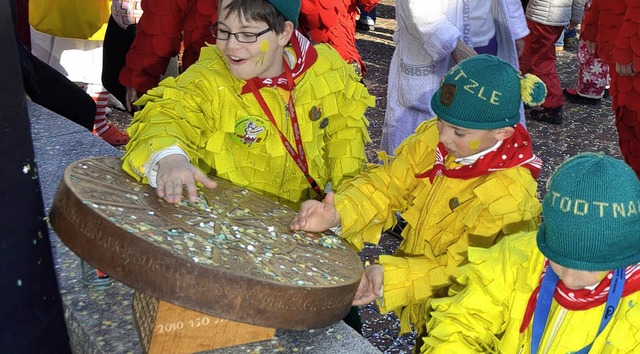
<point x="263" y="108"/>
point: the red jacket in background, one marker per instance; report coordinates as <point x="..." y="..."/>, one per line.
<point x="601" y="25"/>
<point x="615" y="27"/>
<point x="334" y="22"/>
<point x="164" y="25"/>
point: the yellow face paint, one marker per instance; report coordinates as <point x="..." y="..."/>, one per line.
<point x="474" y="145"/>
<point x="601" y="276"/>
<point x="264" y="47"/>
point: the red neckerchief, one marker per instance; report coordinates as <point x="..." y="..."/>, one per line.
<point x="306" y="55"/>
<point x="582" y="299"/>
<point x="514" y="151"/>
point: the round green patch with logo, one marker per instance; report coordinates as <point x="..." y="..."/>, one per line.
<point x="251" y="131"/>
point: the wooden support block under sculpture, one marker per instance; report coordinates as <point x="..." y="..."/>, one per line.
<point x="167" y="328"/>
<point x="229" y="255"/>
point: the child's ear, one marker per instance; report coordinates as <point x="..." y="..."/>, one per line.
<point x="504" y="133"/>
<point x="285" y="36"/>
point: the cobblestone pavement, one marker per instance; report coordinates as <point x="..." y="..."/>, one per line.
<point x="585" y="128"/>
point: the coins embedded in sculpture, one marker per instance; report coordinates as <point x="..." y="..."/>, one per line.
<point x="230" y="254"/>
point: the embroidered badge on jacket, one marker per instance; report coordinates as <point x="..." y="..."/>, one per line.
<point x="250" y="130"/>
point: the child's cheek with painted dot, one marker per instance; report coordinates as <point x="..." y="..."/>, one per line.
<point x="601" y="276"/>
<point x="474" y="145"/>
<point x="264" y="48"/>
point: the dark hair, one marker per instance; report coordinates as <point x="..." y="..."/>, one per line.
<point x="257" y="10"/>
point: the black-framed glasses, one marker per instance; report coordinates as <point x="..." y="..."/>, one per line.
<point x="242" y="37"/>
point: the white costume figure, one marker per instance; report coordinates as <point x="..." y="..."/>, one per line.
<point x="427" y="34"/>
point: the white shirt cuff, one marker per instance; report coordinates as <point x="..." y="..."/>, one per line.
<point x="151" y="166"/>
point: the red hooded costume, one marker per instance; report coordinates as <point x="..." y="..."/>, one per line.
<point x="615" y="27"/>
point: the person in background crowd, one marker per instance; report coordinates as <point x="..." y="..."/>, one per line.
<point x="120" y="33"/>
<point x="616" y="31"/>
<point x="333" y="22"/>
<point x="430" y="39"/>
<point x="593" y="72"/>
<point x="367" y="19"/>
<point x="162" y="30"/>
<point x="546" y="20"/>
<point x="45" y="85"/>
<point x="67" y="35"/>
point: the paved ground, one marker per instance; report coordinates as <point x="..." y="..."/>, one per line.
<point x="586" y="128"/>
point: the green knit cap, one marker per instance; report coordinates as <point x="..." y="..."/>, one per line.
<point x="290" y="9"/>
<point x="591" y="214"/>
<point x="484" y="92"/>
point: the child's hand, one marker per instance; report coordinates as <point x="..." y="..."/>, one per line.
<point x="175" y="172"/>
<point x="315" y="216"/>
<point x="625" y="69"/>
<point x="462" y="51"/>
<point x="131" y="96"/>
<point x="370" y="285"/>
<point x="519" y="47"/>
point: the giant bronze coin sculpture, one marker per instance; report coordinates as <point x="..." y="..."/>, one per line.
<point x="230" y="254"/>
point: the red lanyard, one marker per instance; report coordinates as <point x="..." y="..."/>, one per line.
<point x="299" y="155"/>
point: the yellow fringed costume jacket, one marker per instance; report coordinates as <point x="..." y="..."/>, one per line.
<point x="227" y="134"/>
<point x="486" y="315"/>
<point x="443" y="220"/>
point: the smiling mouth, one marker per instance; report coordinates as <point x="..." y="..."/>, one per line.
<point x="235" y="60"/>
